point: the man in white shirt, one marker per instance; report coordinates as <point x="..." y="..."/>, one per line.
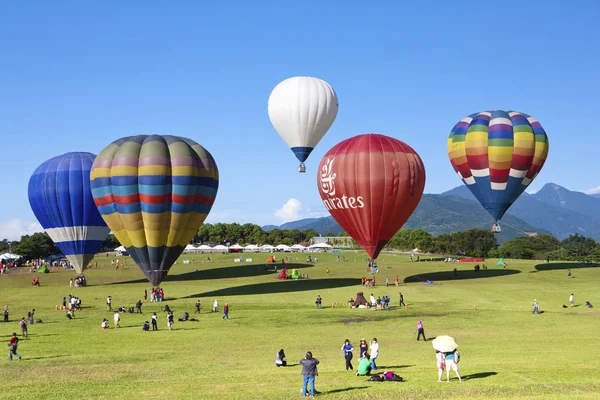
<point x="374" y="353"/>
<point x="116" y="319"/>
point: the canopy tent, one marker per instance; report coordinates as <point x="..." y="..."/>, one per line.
<point x="298" y="247"/>
<point x="189" y="247"/>
<point x="320" y="246"/>
<point x="120" y="249"/>
<point x="9" y="256"/>
<point x="220" y="247"/>
<point x="283" y="247"/>
<point x="266" y="247"/>
<point x="234" y="247"/>
<point x="204" y="247"/>
<point x="252" y="247"/>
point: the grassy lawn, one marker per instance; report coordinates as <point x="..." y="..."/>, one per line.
<point x="506" y="352"/>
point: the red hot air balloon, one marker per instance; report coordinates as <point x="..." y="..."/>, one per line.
<point x="371" y="184"/>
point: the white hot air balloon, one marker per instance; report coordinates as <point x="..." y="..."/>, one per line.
<point x="302" y="110"/>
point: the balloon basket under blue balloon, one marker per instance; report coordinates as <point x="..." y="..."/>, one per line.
<point x="302" y="168"/>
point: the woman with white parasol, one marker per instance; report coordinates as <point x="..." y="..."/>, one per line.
<point x="446" y="346"/>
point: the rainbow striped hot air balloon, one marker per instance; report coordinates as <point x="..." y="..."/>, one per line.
<point x="154" y="192"/>
<point x="60" y="197"/>
<point x="497" y="154"/>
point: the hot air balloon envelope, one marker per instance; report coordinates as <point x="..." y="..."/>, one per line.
<point x="302" y="109"/>
<point x="497" y="154"/>
<point x="154" y="192"/>
<point x="61" y="199"/>
<point x="371" y="184"/>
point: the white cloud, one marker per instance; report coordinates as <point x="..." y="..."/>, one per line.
<point x="15" y="228"/>
<point x="595" y="190"/>
<point x="290" y="211"/>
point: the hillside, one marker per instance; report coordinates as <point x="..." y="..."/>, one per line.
<point x="555" y="209"/>
<point x="436" y="214"/>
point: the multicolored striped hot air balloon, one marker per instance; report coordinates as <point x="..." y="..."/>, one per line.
<point x="60" y="197"/>
<point x="154" y="192"/>
<point x="497" y="154"/>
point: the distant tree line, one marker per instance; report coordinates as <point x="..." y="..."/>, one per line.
<point x="473" y="242"/>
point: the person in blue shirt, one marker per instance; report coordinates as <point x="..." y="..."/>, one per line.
<point x="347" y="349"/>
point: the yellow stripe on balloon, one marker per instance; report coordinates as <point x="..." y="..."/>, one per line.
<point x="185" y="170"/>
<point x="155" y="238"/>
<point x="123" y="170"/>
<point x="99" y="173"/>
<point x="477" y="136"/>
<point x="149" y="170"/>
<point x="123" y="237"/>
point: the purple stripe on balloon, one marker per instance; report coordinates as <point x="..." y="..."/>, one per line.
<point x="483" y="117"/>
<point x="102" y="163"/>
<point x="517" y="116"/>
<point x="536" y="125"/>
<point x="125" y="161"/>
<point x="500" y="127"/>
<point x="182" y="161"/>
<point x="153" y="160"/>
<point x="462" y="125"/>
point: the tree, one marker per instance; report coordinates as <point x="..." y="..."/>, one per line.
<point x="38" y="245"/>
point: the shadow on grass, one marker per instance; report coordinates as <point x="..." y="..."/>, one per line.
<point x="281" y="287"/>
<point x="346" y="389"/>
<point x="564" y="265"/>
<point x="42" y="358"/>
<point x="461" y="274"/>
<point x="234" y="271"/>
<point x="393" y="366"/>
<point x="478" y="375"/>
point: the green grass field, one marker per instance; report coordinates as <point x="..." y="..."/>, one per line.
<point x="506" y="352"/>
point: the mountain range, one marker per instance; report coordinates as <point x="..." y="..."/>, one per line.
<point x="552" y="210"/>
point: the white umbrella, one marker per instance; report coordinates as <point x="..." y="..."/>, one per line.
<point x="444" y="344"/>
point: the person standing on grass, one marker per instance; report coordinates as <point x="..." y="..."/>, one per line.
<point x="116" y="319"/>
<point x="154" y="322"/>
<point x="572" y="300"/>
<point x="197" y="307"/>
<point x="170" y="321"/>
<point x="225" y="311"/>
<point x="536" y="307"/>
<point x="451" y="363"/>
<point x="309" y="371"/>
<point x="569" y="273"/>
<point x="420" y="331"/>
<point x="215" y="306"/>
<point x="108" y="303"/>
<point x="145" y="294"/>
<point x="13" y="343"/>
<point x="138" y="307"/>
<point x="396" y="281"/>
<point x="5" y="313"/>
<point x="374" y="353"/>
<point x="363" y="347"/>
<point x="402" y="300"/>
<point x="441" y="364"/>
<point x="347" y="349"/>
<point x="23" y="325"/>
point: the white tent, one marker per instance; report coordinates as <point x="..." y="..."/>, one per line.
<point x="189" y="248"/>
<point x="9" y="256"/>
<point x="321" y="246"/>
<point x="220" y="247"/>
<point x="252" y="247"/>
<point x="204" y="247"/>
<point x="120" y="249"/>
<point x="298" y="247"/>
<point x="266" y="247"/>
<point x="234" y="247"/>
<point x="283" y="247"/>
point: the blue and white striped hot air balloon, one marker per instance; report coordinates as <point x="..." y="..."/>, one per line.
<point x="61" y="199"/>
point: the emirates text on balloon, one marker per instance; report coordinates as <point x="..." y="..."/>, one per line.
<point x="335" y="203"/>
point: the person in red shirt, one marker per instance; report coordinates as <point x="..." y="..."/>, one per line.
<point x="12" y="347"/>
<point x="226" y="311"/>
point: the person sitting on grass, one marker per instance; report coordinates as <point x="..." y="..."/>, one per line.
<point x="104" y="323"/>
<point x="280" y="359"/>
<point x="588" y="304"/>
<point x="146" y="326"/>
<point x="364" y="365"/>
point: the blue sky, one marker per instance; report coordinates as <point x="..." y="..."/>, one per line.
<point x="77" y="75"/>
